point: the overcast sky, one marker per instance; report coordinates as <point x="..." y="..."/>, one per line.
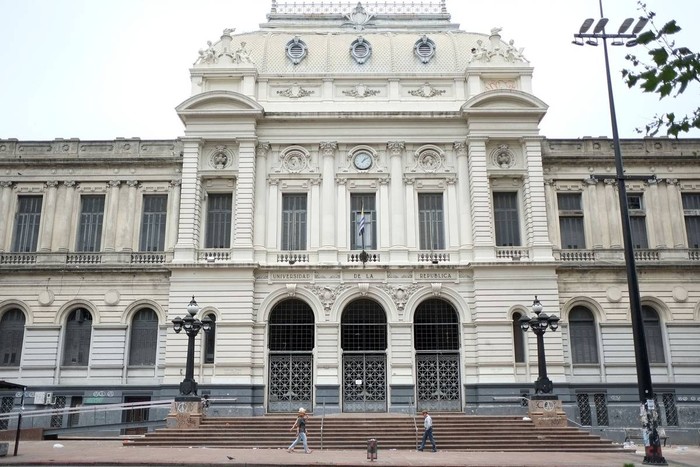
<point x="101" y="69"/>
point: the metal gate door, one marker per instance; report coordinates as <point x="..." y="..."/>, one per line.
<point x="438" y="382"/>
<point x="291" y="382"/>
<point x="364" y="383"/>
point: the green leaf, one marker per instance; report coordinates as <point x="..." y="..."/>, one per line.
<point x="660" y="56"/>
<point x="669" y="28"/>
<point x="668" y="74"/>
<point x="646" y="37"/>
<point x="664" y="90"/>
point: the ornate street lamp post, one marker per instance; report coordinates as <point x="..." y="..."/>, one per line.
<point x="650" y="418"/>
<point x="539" y="324"/>
<point x="191" y="325"/>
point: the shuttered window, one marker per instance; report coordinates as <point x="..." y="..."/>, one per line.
<point x="431" y="221"/>
<point x="691" y="211"/>
<point x="653" y="335"/>
<point x="219" y="216"/>
<point x="27" y="219"/>
<point x="359" y="204"/>
<point x="76" y="344"/>
<point x="582" y="332"/>
<point x="506" y="218"/>
<point x="144" y="338"/>
<point x="210" y="340"/>
<point x="638" y="221"/>
<point x="153" y="222"/>
<point x="518" y="339"/>
<point x="12" y="332"/>
<point x="571" y="221"/>
<point x="92" y="209"/>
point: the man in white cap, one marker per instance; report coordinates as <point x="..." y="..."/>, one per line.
<point x="300" y="425"/>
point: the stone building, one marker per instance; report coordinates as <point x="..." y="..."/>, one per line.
<point x="328" y="121"/>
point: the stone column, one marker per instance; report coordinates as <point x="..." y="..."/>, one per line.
<point x="655" y="215"/>
<point x="480" y="195"/>
<point x="383" y="233"/>
<point x="328" y="251"/>
<point x="49" y="213"/>
<point x="5" y="223"/>
<point x="341" y="200"/>
<point x="273" y="215"/>
<point x="596" y="228"/>
<point x="411" y="212"/>
<point x="65" y="221"/>
<point x="317" y="223"/>
<point x="452" y="213"/>
<point x="612" y="208"/>
<point x="466" y="240"/>
<point x="535" y="205"/>
<point x="127" y="221"/>
<point x="398" y="220"/>
<point x="245" y="202"/>
<point x="190" y="203"/>
<point x="173" y="214"/>
<point x="111" y="219"/>
<point x="261" y="152"/>
<point x="675" y="209"/>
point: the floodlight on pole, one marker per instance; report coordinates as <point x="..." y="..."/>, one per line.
<point x="648" y="412"/>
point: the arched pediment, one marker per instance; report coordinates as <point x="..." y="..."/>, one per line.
<point x="219" y="103"/>
<point x="509" y="101"/>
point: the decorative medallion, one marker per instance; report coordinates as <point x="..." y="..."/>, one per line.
<point x="295" y="92"/>
<point x="361" y="91"/>
<point x="424" y="49"/>
<point x="359" y="17"/>
<point x="430" y="160"/>
<point x="296" y="50"/>
<point x="427" y="91"/>
<point x="221" y="157"/>
<point x="503" y="157"/>
<point x="360" y="50"/>
<point x="295" y="161"/>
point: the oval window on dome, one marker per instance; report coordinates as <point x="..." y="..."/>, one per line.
<point x="360" y="50"/>
<point x="424" y="49"/>
<point x="296" y="50"/>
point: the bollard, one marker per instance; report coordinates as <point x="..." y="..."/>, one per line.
<point x="372" y="449"/>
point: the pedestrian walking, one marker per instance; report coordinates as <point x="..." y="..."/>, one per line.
<point x="300" y="426"/>
<point x="427" y="431"/>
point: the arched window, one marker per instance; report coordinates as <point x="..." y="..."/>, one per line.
<point x="12" y="332"/>
<point x="583" y="335"/>
<point x="518" y="339"/>
<point x="653" y="335"/>
<point x="144" y="338"/>
<point x="210" y="340"/>
<point x="76" y="345"/>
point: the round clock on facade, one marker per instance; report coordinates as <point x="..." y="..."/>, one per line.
<point x="362" y="160"/>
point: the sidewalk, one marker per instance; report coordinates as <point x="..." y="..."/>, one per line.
<point x="107" y="453"/>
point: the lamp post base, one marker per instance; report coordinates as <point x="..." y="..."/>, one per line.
<point x="185" y="413"/>
<point x="546" y="410"/>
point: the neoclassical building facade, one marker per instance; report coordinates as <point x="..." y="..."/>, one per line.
<point x="363" y="204"/>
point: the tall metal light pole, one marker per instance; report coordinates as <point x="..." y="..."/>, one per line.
<point x="191" y="325"/>
<point x="539" y="324"/>
<point x="650" y="417"/>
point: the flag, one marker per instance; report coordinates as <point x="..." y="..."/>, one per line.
<point x="361" y="225"/>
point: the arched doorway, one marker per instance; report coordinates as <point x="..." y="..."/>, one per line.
<point x="290" y="344"/>
<point x="436" y="340"/>
<point x="363" y="341"/>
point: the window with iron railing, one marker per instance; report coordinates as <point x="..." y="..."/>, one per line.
<point x="431" y="221"/>
<point x="294" y="221"/>
<point x="362" y="204"/>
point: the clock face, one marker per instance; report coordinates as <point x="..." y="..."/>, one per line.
<point x="362" y="160"/>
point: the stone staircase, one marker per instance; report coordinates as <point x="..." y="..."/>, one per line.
<point x="343" y="431"/>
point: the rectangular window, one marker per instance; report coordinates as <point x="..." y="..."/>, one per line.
<point x="691" y="211"/>
<point x="219" y="216"/>
<point x="27" y="220"/>
<point x="294" y="221"/>
<point x="155" y="212"/>
<point x="638" y="221"/>
<point x="363" y="204"/>
<point x="571" y="221"/>
<point x="431" y="221"/>
<point x="92" y="208"/>
<point x="506" y="218"/>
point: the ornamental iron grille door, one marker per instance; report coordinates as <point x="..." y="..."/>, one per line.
<point x="436" y="338"/>
<point x="290" y="342"/>
<point x="363" y="340"/>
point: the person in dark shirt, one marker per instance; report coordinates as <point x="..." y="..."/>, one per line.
<point x="300" y="426"/>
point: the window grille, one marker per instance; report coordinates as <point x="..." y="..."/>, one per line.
<point x="363" y="327"/>
<point x="27" y="222"/>
<point x="571" y="221"/>
<point x="296" y="50"/>
<point x="219" y="216"/>
<point x="506" y="218"/>
<point x="291" y="327"/>
<point x="360" y="203"/>
<point x="518" y="339"/>
<point x="436" y="326"/>
<point x="210" y="340"/>
<point x="76" y="346"/>
<point x="91" y="219"/>
<point x="293" y="221"/>
<point x="12" y="332"/>
<point x="431" y="219"/>
<point x="601" y="409"/>
<point x="7" y="403"/>
<point x="653" y="335"/>
<point x="583" y="336"/>
<point x="57" y="417"/>
<point x="144" y="338"/>
<point x="691" y="210"/>
<point x="153" y="222"/>
<point x="670" y="410"/>
<point x="638" y="226"/>
<point x="424" y="49"/>
<point x="584" y="409"/>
